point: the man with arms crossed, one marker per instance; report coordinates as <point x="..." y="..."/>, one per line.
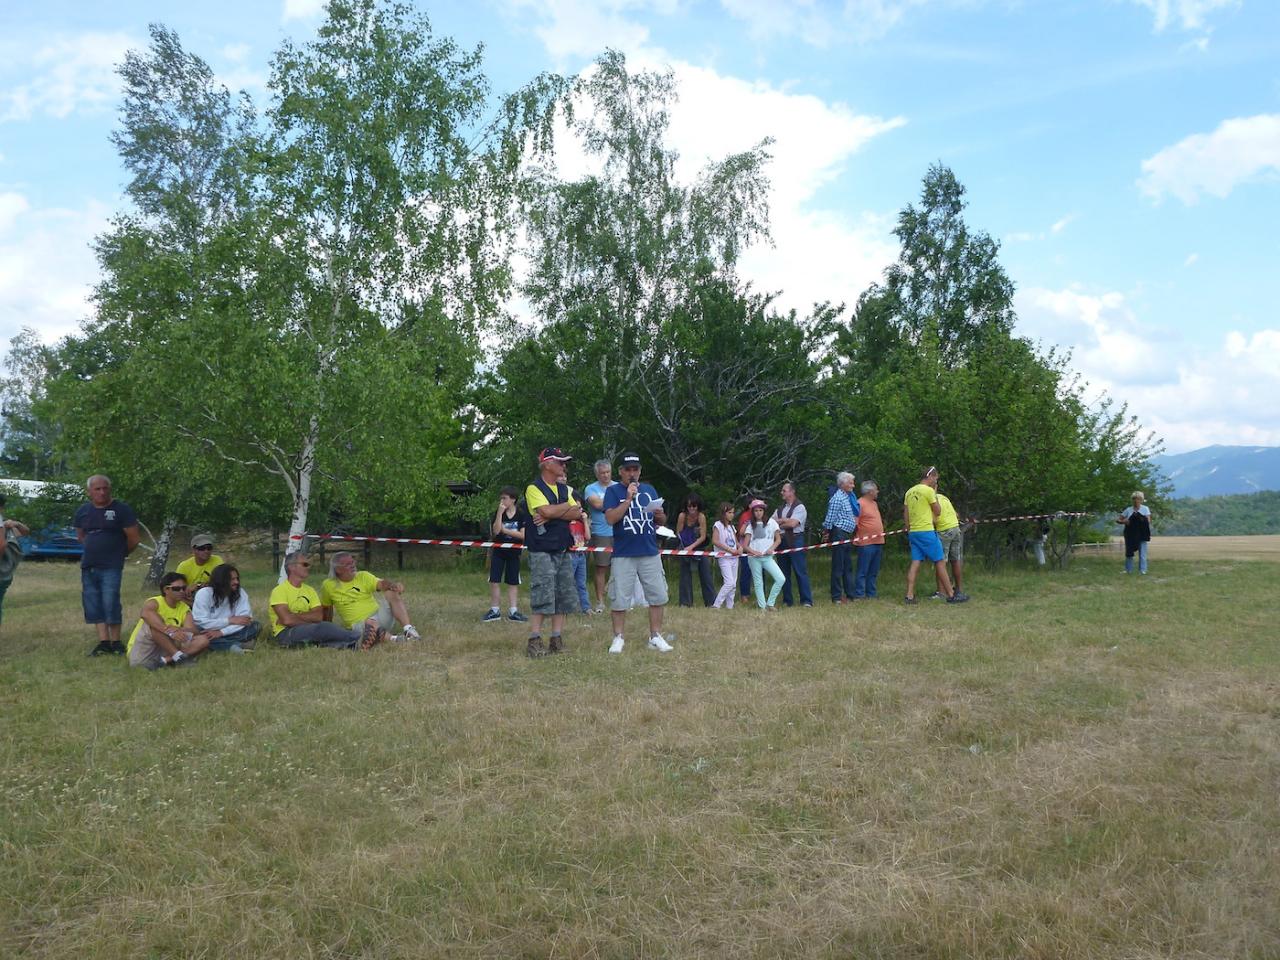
<point x="919" y="508"/>
<point x="108" y="528"/>
<point x="552" y="592"/>
<point x="635" y="510"/>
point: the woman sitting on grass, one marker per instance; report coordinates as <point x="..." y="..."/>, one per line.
<point x="222" y="610"/>
<point x="165" y="635"/>
<point x="765" y="537"/>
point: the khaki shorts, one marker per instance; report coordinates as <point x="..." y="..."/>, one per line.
<point x="383" y="614"/>
<point x="952" y="544"/>
<point x="602" y="559"/>
<point x="627" y="571"/>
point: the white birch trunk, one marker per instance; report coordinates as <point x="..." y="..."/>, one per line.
<point x="160" y="559"/>
<point x="302" y="492"/>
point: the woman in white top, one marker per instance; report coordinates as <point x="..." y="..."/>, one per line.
<point x="765" y="536"/>
<point x="725" y="540"/>
<point x="222" y="609"/>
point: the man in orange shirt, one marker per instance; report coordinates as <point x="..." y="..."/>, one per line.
<point x="870" y="537"/>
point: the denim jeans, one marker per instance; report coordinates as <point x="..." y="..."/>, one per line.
<point x="1142" y="558"/>
<point x="100" y="595"/>
<point x="703" y="565"/>
<point x="579" y="561"/>
<point x="841" y="566"/>
<point x="869" y="557"/>
<point x="795" y="565"/>
<point x="246" y="634"/>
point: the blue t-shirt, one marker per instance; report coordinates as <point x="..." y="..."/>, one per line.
<point x="104" y="541"/>
<point x="599" y="526"/>
<point x="636" y="533"/>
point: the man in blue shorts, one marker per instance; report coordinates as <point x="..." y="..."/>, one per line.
<point x="919" y="508"/>
<point x="108" y="528"/>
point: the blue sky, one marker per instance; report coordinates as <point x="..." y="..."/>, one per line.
<point x="1126" y="153"/>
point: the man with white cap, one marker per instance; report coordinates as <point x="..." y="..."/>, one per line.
<point x="635" y="510"/>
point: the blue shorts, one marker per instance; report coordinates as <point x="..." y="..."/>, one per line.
<point x="925" y="545"/>
<point x="100" y="595"/>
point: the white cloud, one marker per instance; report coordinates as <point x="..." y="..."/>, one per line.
<point x="1240" y="150"/>
<point x="1190" y="398"/>
<point x="819" y="22"/>
<point x="1187" y="14"/>
<point x="47" y="268"/>
<point x="65" y="75"/>
<point x="302" y="9"/>
<point x="1191" y="259"/>
<point x="584" y="28"/>
<point x="1062" y="224"/>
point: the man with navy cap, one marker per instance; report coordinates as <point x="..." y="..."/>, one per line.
<point x="635" y="510"/>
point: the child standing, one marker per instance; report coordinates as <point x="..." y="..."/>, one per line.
<point x="579" y="562"/>
<point x="765" y="537"/>
<point x="504" y="562"/>
<point x="725" y="539"/>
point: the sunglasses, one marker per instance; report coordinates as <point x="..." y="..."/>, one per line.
<point x="177" y="588"/>
<point x="207" y="546"/>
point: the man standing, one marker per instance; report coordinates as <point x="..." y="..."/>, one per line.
<point x="791" y="517"/>
<point x="552" y="507"/>
<point x="951" y="534"/>
<point x="351" y="596"/>
<point x="601" y="529"/>
<point x="108" y="528"/>
<point x="297" y="616"/>
<point x="919" y="510"/>
<point x="199" y="567"/>
<point x="870" y="537"/>
<point x="841" y="521"/>
<point x="635" y="510"/>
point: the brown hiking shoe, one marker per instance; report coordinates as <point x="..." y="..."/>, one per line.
<point x="373" y="634"/>
<point x="557" y="644"/>
<point x="536" y="648"/>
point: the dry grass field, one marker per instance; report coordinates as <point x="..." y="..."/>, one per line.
<point x="1075" y="764"/>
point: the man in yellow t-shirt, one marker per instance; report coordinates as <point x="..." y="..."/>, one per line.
<point x="297" y="617"/>
<point x="350" y="596"/>
<point x="951" y="535"/>
<point x="920" y="509"/>
<point x="198" y="567"/>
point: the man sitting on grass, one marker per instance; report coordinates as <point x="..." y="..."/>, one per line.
<point x="165" y="635"/>
<point x="350" y="596"/>
<point x="198" y="567"/>
<point x="297" y="617"/>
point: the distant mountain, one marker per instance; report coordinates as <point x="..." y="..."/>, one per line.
<point x="1219" y="471"/>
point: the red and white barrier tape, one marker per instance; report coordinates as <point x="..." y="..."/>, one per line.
<point x="507" y="545"/>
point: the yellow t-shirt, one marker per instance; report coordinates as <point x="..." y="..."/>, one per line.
<point x="172" y="617"/>
<point x="535" y="498"/>
<point x="197" y="574"/>
<point x="920" y="500"/>
<point x="297" y="599"/>
<point x="947" y="518"/>
<point x="353" y="601"/>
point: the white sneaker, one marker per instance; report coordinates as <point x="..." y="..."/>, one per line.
<point x="410" y="633"/>
<point x="616" y="646"/>
<point x="659" y="644"/>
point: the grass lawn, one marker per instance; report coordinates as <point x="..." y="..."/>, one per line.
<point x="1074" y="764"/>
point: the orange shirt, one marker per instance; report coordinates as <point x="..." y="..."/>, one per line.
<point x="869" y="523"/>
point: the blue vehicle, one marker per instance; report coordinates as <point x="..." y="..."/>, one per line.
<point x="52" y="543"/>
